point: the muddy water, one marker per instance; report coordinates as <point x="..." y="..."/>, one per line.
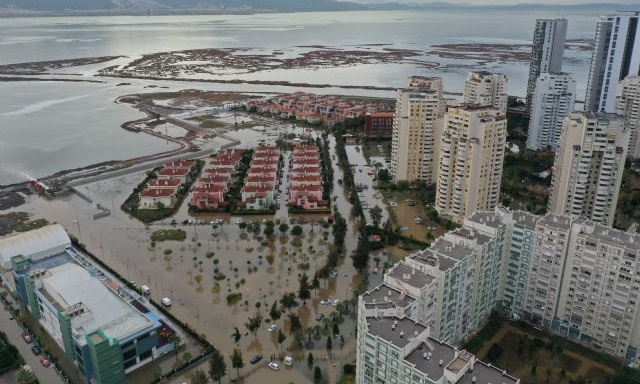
<point x="363" y="174"/>
<point x="261" y="269"/>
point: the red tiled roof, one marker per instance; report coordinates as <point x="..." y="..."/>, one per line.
<point x="179" y="164"/>
<point x="156" y="192"/>
<point x="164" y="183"/>
<point x="173" y="172"/>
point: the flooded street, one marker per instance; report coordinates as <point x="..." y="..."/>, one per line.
<point x="199" y="273"/>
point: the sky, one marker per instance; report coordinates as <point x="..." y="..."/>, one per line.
<point x="504" y="2"/>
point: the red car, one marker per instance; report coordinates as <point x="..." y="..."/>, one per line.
<point x="45" y="362"/>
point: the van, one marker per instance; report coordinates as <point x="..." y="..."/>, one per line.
<point x="145" y="290"/>
<point x="166" y="301"/>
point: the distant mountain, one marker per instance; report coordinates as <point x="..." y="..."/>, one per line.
<point x="123" y="6"/>
<point x="12" y="7"/>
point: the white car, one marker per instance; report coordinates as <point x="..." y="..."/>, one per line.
<point x="275" y="366"/>
<point x="393" y="204"/>
<point x="166" y="301"/>
<point x="335" y="302"/>
<point x="325" y="302"/>
<point x="272" y="327"/>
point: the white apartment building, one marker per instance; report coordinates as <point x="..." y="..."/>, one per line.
<point x="547" y="51"/>
<point x="471" y="150"/>
<point x="398" y="350"/>
<point x="616" y="55"/>
<point x="486" y="88"/>
<point x="588" y="166"/>
<point x="628" y="105"/>
<point x="552" y="101"/>
<point x="582" y="284"/>
<point x="416" y="125"/>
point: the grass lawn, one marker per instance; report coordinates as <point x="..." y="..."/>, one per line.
<point x="210" y="124"/>
<point x="30" y="225"/>
<point x="168" y="234"/>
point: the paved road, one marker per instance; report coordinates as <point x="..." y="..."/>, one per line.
<point x="13" y="331"/>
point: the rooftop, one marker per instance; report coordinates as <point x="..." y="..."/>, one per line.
<point x="450" y="249"/>
<point x="385" y="295"/>
<point x="561" y="222"/>
<point x="70" y="284"/>
<point x="427" y="357"/>
<point x="409" y="275"/>
<point x="164" y="183"/>
<point x="428" y="257"/>
<point x="157" y="192"/>
<point x="404" y="331"/>
<point x="173" y="172"/>
<point x="525" y="219"/>
<point x="490" y="219"/>
<point x="486" y="374"/>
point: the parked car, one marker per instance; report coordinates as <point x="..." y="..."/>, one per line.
<point x="272" y="327"/>
<point x="255" y="359"/>
<point x="288" y="360"/>
<point x="273" y="365"/>
<point x="166" y="301"/>
<point x="45" y="362"/>
<point x="27" y="337"/>
<point x="36" y="350"/>
<point x="320" y="317"/>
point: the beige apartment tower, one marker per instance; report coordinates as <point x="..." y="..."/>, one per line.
<point x="587" y="170"/>
<point x="628" y="105"/>
<point x="486" y="88"/>
<point x="471" y="158"/>
<point x="417" y="121"/>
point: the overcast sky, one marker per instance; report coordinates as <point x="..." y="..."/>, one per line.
<point x="508" y="2"/>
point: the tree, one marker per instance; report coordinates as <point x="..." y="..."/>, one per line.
<point x="360" y="255"/>
<point x="199" y="377"/>
<point x="274" y="313"/>
<point x="495" y="351"/>
<point x="288" y="301"/>
<point x="281" y="337"/>
<point x="236" y="360"/>
<point x="217" y="366"/>
<point x="315" y="283"/>
<point x="403" y="185"/>
<point x="310" y="359"/>
<point x="383" y="175"/>
<point x="329" y="343"/>
<point x="376" y="215"/>
<point x="253" y="324"/>
<point x="283" y="228"/>
<point x="236" y="336"/>
<point x="268" y="231"/>
<point x="336" y="328"/>
<point x="242" y="225"/>
<point x="175" y="340"/>
<point x="294" y="321"/>
<point x="297" y="230"/>
<point x="626" y="375"/>
<point x="198" y="279"/>
<point x="186" y="357"/>
<point x="25" y="376"/>
<point x="317" y="374"/>
<point x="340" y="308"/>
<point x="304" y="292"/>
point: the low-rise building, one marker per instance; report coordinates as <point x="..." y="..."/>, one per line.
<point x="153" y="198"/>
<point x="379" y="124"/>
<point x="106" y="330"/>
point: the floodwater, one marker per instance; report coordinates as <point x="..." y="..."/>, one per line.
<point x="258" y="268"/>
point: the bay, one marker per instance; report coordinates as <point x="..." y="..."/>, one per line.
<point x="50" y="126"/>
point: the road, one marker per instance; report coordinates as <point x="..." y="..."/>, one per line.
<point x="14" y="332"/>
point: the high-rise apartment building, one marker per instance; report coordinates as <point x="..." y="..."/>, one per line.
<point x="588" y="166"/>
<point x="616" y="55"/>
<point x="583" y="284"/>
<point x="552" y="101"/>
<point x="570" y="275"/>
<point x="628" y="105"/>
<point x="417" y="120"/>
<point x="486" y="88"/>
<point x="471" y="159"/>
<point x="547" y="51"/>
